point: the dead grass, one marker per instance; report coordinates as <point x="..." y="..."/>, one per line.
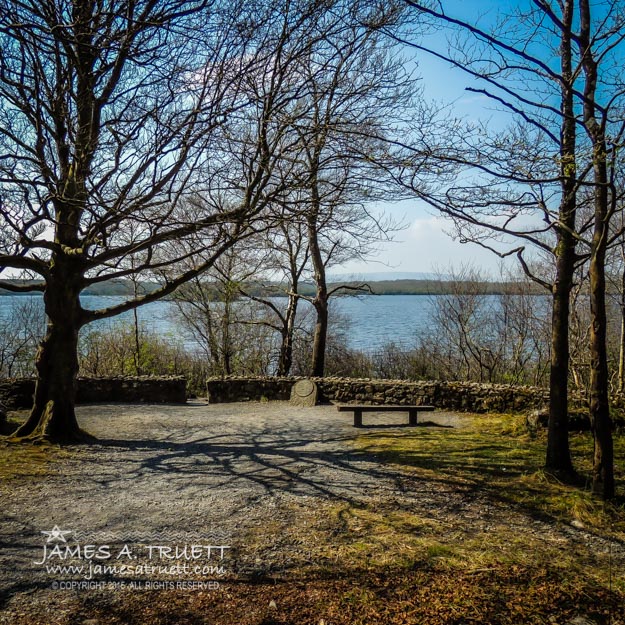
<point x="510" y="596"/>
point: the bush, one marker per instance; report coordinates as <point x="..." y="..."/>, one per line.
<point x="114" y="352"/>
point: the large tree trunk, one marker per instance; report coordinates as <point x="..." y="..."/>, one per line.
<point x="558" y="460"/>
<point x="601" y="422"/>
<point x="321" y="334"/>
<point x="621" y="351"/>
<point x="53" y="417"/>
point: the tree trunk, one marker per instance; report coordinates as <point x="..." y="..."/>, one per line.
<point x="285" y="361"/>
<point x="320" y="302"/>
<point x="558" y="460"/>
<point x="601" y="422"/>
<point x="53" y="417"/>
<point x="321" y="334"/>
<point x="137" y="339"/>
<point x="621" y="352"/>
<point x="226" y="322"/>
<point x="137" y="335"/>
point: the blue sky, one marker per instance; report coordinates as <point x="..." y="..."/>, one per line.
<point x="427" y="244"/>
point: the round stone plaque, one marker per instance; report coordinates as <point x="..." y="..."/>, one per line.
<point x="304" y="393"/>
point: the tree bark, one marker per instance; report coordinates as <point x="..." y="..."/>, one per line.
<point x="52" y="417"/>
<point x="621" y="353"/>
<point x="321" y="335"/>
<point x="320" y="302"/>
<point x="137" y="335"/>
<point x="558" y="458"/>
<point x="285" y="361"/>
<point x="601" y="422"/>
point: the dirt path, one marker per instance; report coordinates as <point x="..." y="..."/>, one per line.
<point x="215" y="475"/>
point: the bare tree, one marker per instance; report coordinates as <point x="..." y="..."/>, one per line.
<point x="110" y="113"/>
<point x="357" y="92"/>
<point x="21" y="330"/>
<point x="286" y="261"/>
<point x="528" y="182"/>
<point x="486" y="337"/>
<point x="603" y="120"/>
<point x="295" y="255"/>
<point x="229" y="328"/>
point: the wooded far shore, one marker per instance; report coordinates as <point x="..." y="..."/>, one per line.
<point x="375" y="287"/>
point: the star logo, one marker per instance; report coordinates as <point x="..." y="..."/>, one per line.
<point x="57" y="534"/>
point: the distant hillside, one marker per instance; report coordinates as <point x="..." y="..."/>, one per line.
<point x="377" y="287"/>
<point x="432" y="287"/>
<point x="111" y="287"/>
<point x="395" y="287"/>
<point x="384" y="276"/>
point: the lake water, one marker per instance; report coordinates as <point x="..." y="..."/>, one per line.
<point x="370" y="321"/>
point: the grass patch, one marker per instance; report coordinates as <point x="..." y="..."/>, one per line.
<point x="377" y="539"/>
<point x="494" y="524"/>
<point x="23" y="460"/>
<point x="496" y="455"/>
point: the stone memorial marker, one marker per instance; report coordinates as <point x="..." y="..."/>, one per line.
<point x="304" y="393"/>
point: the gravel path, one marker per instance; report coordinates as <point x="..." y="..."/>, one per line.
<point x="211" y="474"/>
<point x="179" y="473"/>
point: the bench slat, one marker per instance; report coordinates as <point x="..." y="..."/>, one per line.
<point x="381" y="408"/>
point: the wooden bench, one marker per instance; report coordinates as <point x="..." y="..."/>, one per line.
<point x="358" y="409"/>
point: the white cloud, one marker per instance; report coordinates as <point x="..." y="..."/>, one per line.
<point x="426" y="246"/>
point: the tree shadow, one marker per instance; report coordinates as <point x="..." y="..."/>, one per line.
<point x="264" y="461"/>
<point x="420" y="424"/>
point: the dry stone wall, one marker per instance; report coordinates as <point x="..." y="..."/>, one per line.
<point x="18" y="393"/>
<point x="468" y="397"/>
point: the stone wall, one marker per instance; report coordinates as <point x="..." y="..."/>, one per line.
<point x="18" y="393"/>
<point x="461" y="396"/>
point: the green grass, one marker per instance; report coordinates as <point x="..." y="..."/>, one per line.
<point x="22" y="461"/>
<point x="497" y="455"/>
<point x="25" y="461"/>
<point x="492" y="469"/>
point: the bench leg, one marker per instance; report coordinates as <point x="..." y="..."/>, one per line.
<point x="357" y="418"/>
<point x="412" y="417"/>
